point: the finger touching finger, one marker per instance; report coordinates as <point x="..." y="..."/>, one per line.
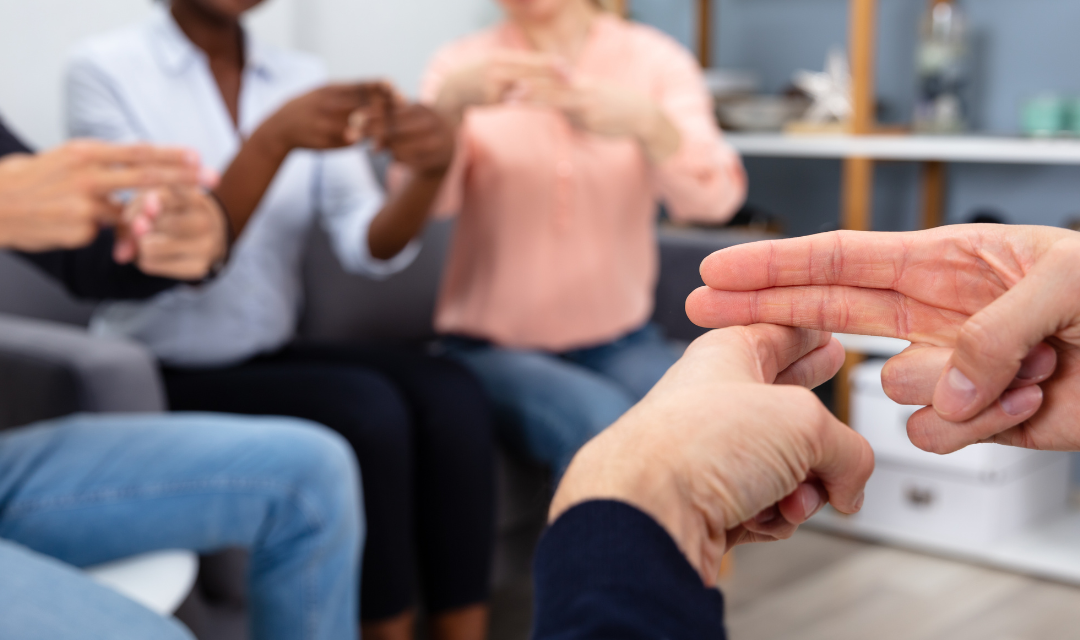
<point x="930" y="432"/>
<point x="992" y="346"/>
<point x="816" y="368"/>
<point x="841" y="309"/>
<point x="754" y="354"/>
<point x="912" y="377"/>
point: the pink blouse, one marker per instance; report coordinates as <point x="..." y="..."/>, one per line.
<point x="556" y="247"/>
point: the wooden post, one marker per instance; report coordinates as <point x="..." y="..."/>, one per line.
<point x="858" y="190"/>
<point x="621" y="7"/>
<point x="935" y="194"/>
<point x="705" y="31"/>
<point x="858" y="182"/>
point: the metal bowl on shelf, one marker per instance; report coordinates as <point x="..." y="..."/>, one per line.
<point x="760" y="113"/>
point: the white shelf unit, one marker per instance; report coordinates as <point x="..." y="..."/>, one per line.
<point x="915" y="148"/>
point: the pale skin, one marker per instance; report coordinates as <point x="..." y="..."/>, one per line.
<point x="333" y="117"/>
<point x="730" y="447"/>
<point x="991" y="312"/>
<point x="62" y="199"/>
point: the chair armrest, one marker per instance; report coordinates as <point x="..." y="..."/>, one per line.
<point x="49" y="369"/>
<point x="681" y="251"/>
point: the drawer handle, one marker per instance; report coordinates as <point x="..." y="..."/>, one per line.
<point x="919" y="497"/>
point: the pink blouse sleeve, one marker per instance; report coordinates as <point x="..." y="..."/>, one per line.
<point x="705" y="180"/>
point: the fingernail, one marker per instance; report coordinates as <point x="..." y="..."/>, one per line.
<point x="140" y="227"/>
<point x="859" y="501"/>
<point x="1021" y="401"/>
<point x="152" y="203"/>
<point x="767" y="516"/>
<point x="209" y="178"/>
<point x="956" y="393"/>
<point x="811" y="501"/>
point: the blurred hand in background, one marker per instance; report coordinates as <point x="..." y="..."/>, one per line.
<point x="61" y="199"/>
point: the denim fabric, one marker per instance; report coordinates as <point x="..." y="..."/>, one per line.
<point x="92" y="489"/>
<point x="548" y="405"/>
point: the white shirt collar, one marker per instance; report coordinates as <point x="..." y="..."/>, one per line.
<point x="175" y="52"/>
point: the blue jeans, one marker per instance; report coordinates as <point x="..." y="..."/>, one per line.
<point x="548" y="405"/>
<point x="92" y="489"/>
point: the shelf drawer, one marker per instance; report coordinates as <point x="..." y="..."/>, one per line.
<point x="955" y="508"/>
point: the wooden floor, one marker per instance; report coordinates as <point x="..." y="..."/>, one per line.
<point x="820" y="587"/>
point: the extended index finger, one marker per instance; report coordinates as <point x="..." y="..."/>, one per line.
<point x="103" y="153"/>
<point x="851" y="258"/>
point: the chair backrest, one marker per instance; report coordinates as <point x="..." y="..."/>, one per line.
<point x="341" y="307"/>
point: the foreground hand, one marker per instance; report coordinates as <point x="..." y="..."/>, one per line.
<point x="719" y="455"/>
<point x="60" y="199"/>
<point x="177" y="233"/>
<point x="993" y="313"/>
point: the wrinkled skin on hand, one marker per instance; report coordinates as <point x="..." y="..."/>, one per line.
<point x="992" y="311"/>
<point x="731" y="447"/>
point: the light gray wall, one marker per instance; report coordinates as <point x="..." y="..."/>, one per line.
<point x="1024" y="48"/>
<point x="358" y="38"/>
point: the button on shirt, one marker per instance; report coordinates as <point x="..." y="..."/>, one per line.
<point x="556" y="245"/>
<point x="150" y="83"/>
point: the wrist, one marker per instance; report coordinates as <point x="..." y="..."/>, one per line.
<point x="268" y="143"/>
<point x="615" y="466"/>
<point x="656" y="134"/>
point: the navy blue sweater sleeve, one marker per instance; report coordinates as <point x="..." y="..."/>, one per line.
<point x="89" y="273"/>
<point x="607" y="570"/>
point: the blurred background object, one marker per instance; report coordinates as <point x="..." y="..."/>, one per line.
<point x="943" y="68"/>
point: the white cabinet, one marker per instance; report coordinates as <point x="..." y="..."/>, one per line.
<point x="978" y="495"/>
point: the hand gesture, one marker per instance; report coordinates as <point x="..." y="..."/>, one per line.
<point x="60" y="199"/>
<point x="320" y="119"/>
<point x="178" y="233"/>
<point x="496" y="79"/>
<point x="993" y="314"/>
<point x="417" y="137"/>
<point x="723" y="451"/>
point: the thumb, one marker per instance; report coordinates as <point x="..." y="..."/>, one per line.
<point x="844" y="463"/>
<point x="993" y="344"/>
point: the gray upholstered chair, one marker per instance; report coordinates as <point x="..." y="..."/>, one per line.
<point x="50" y="367"/>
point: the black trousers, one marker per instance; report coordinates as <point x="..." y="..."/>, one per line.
<point x="422" y="431"/>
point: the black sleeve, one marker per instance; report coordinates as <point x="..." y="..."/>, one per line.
<point x="9" y="143"/>
<point x="607" y="570"/>
<point x="89" y="273"/>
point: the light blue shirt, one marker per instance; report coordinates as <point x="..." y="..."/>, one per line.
<point x="150" y="83"/>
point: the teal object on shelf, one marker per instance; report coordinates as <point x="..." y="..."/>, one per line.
<point x="1072" y="116"/>
<point x="1044" y="116"/>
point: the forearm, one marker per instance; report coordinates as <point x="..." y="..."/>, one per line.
<point x="247" y="179"/>
<point x="404" y="217"/>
